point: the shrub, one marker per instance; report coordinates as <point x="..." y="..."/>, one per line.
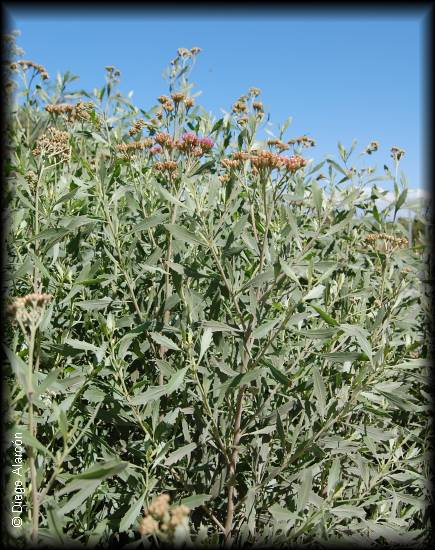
<point x="206" y="315"/>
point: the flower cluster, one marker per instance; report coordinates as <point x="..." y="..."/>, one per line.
<point x="239" y="107"/>
<point x="185" y="52"/>
<point x="395" y="242"/>
<point x="291" y="164"/>
<point x="303" y="141"/>
<point x="163" y="520"/>
<point x="155" y="150"/>
<point x="264" y="161"/>
<point x="80" y="111"/>
<point x="165" y="140"/>
<point x="55" y="143"/>
<point x="126" y="149"/>
<point x="177" y="97"/>
<point x="278" y="144"/>
<point x="31" y="178"/>
<point x="189" y="143"/>
<point x="27" y="309"/>
<point x="254" y="92"/>
<point x="372" y="147"/>
<point x="113" y="73"/>
<point x="137" y="127"/>
<point x="397" y="153"/>
<point x="25" y="64"/>
<point x="166" y="166"/>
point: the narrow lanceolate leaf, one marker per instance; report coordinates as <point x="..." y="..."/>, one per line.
<point x="179" y="454"/>
<point x="182" y="234"/>
<point x="279" y="376"/>
<point x="333" y="476"/>
<point x="260" y="279"/>
<point x="30" y="441"/>
<point x="205" y="342"/>
<point x="281" y="514"/>
<point x="94" y="305"/>
<point x="343" y="356"/>
<point x="347" y="511"/>
<point x="245" y="378"/>
<point x="164" y="341"/>
<point x="80" y="345"/>
<point x="150" y="222"/>
<point x="103" y="470"/>
<point x="317" y="195"/>
<point x="289" y="272"/>
<point x="361" y="337"/>
<point x="304" y="489"/>
<point x="132" y="514"/>
<point x="155" y="392"/>
<point x="315" y="292"/>
<point x="193" y="501"/>
<point x="325" y="316"/>
<point x="165" y="195"/>
<point x="217" y="326"/>
<point x="264" y="329"/>
<point x="319" y="391"/>
<point x="88" y="488"/>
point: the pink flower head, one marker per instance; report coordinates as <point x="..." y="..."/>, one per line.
<point x="156" y="149"/>
<point x="189" y="137"/>
<point x="206" y="143"/>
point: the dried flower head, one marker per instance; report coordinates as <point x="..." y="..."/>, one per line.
<point x="81" y="111"/>
<point x="205" y="143"/>
<point x="155" y="150"/>
<point x="159" y="506"/>
<point x="397" y="153"/>
<point x="188" y="102"/>
<point x="26" y="64"/>
<point x="258" y="105"/>
<point x="291" y="164"/>
<point x="160" y="519"/>
<point x="254" y="92"/>
<point x="112" y="72"/>
<point x="163" y="99"/>
<point x="391" y="241"/>
<point x="195" y="50"/>
<point x="31" y="178"/>
<point x="165" y="140"/>
<point x="230" y="163"/>
<point x="137" y="127"/>
<point x="54" y="143"/>
<point x="239" y="107"/>
<point x="166" y="166"/>
<point x="27" y="310"/>
<point x="126" y="150"/>
<point x="241" y="155"/>
<point x="225" y="178"/>
<point x="184" y="52"/>
<point x="148" y="526"/>
<point x="177" y="97"/>
<point x="278" y="144"/>
<point x="179" y="515"/>
<point x="303" y="141"/>
<point x="372" y="147"/>
<point x="168" y="106"/>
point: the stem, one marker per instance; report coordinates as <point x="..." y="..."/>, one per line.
<point x="235" y="453"/>
<point x="30" y="450"/>
<point x="167" y="313"/>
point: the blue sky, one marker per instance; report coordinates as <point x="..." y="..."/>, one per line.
<point x="340" y="76"/>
